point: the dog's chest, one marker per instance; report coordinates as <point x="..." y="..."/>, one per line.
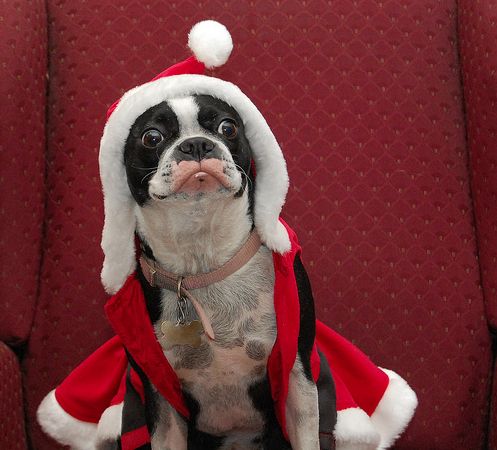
<point x="218" y="374"/>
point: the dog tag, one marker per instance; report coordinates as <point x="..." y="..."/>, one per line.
<point x="182" y="334"/>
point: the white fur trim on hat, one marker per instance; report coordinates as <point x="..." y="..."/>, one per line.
<point x="395" y="410"/>
<point x="63" y="427"/>
<point x="210" y="42"/>
<point x="272" y="176"/>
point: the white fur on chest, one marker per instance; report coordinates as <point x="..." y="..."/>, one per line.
<point x="219" y="373"/>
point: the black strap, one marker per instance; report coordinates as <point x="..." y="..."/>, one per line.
<point x="133" y="417"/>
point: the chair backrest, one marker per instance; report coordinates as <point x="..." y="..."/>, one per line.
<point x="366" y="100"/>
<point x="23" y="50"/>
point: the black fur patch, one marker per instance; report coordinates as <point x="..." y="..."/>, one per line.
<point x="272" y="437"/>
<point x="327" y="405"/>
<point x="150" y="411"/>
<point x="307" y="331"/>
<point x="109" y="444"/>
<point x="212" y="112"/>
<point x="152" y="296"/>
<point x="197" y="440"/>
<point x="141" y="162"/>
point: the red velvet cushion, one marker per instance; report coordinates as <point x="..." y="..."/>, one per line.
<point x="22" y="162"/>
<point x="478" y="37"/>
<point x="365" y="98"/>
<point x="12" y="431"/>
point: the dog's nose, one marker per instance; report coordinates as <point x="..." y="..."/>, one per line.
<point x="197" y="147"/>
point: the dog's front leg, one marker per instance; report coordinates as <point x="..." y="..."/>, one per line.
<point x="302" y="410"/>
<point x="170" y="431"/>
<point x="302" y="406"/>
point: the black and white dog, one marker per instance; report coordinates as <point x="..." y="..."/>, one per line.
<point x="189" y="169"/>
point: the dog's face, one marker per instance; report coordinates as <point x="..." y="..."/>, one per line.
<point x="187" y="148"/>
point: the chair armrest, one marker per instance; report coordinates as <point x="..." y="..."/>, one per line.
<point x="492" y="426"/>
<point x="478" y="48"/>
<point x="12" y="426"/>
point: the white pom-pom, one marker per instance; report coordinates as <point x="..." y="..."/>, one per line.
<point x="210" y="42"/>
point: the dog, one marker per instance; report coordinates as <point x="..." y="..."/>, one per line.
<point x="217" y="346"/>
<point x="189" y="169"/>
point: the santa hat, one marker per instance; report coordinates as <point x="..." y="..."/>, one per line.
<point x="211" y="45"/>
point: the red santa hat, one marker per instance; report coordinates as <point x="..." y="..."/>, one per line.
<point x="211" y="45"/>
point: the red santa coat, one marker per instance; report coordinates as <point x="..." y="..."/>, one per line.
<point x="374" y="405"/>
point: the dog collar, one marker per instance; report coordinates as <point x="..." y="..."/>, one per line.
<point x="158" y="277"/>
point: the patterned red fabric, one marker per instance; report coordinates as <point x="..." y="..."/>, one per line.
<point x="365" y="98"/>
<point x="12" y="432"/>
<point x="22" y="155"/>
<point x="478" y="37"/>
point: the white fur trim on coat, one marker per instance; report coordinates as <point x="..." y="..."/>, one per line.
<point x="272" y="176"/>
<point x="354" y="431"/>
<point x="64" y="428"/>
<point x="110" y="424"/>
<point x="395" y="410"/>
<point x="210" y="42"/>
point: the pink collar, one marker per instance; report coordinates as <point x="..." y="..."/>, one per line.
<point x="157" y="276"/>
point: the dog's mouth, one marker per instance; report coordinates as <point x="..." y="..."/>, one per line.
<point x="194" y="177"/>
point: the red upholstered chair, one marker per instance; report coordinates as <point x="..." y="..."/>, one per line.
<point x="386" y="112"/>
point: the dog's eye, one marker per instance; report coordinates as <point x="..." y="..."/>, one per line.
<point x="152" y="138"/>
<point x="228" y="129"/>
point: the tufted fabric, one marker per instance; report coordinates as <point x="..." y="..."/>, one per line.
<point x="478" y="34"/>
<point x="22" y="147"/>
<point x="12" y="432"/>
<point x="366" y="99"/>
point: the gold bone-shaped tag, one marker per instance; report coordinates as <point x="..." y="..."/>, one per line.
<point x="182" y="334"/>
